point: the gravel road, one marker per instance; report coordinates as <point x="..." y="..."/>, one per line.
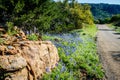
<point x="108" y="44"/>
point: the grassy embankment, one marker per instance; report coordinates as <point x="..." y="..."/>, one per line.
<point x="114" y="23"/>
<point x="78" y="58"/>
<point x="116" y="28"/>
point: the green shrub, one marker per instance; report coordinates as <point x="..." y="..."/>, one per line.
<point x="45" y="15"/>
<point x="33" y="37"/>
<point x="10" y="29"/>
<point x="118" y="29"/>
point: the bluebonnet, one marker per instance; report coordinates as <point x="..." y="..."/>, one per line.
<point x="47" y="69"/>
<point x="63" y="69"/>
<point x="57" y="77"/>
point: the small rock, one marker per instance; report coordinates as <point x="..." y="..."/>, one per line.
<point x="10" y="47"/>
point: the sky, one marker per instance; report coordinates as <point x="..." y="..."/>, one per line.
<point x="98" y="1"/>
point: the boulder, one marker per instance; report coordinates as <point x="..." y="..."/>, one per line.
<point x="12" y="62"/>
<point x="30" y="62"/>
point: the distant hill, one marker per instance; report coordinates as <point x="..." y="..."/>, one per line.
<point x="102" y="11"/>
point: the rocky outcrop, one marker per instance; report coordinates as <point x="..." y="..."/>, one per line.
<point x="21" y="59"/>
<point x="30" y="62"/>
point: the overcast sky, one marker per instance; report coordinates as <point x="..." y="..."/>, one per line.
<point x="98" y="1"/>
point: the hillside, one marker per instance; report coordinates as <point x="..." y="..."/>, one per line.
<point x="102" y="11"/>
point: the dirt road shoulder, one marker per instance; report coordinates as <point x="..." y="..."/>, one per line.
<point x="108" y="44"/>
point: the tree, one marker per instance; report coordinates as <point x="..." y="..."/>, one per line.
<point x="45" y="15"/>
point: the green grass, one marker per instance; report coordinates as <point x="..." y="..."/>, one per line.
<point x="90" y="30"/>
<point x="32" y="37"/>
<point x="84" y="60"/>
<point x="11" y="30"/>
<point x="116" y="28"/>
<point x="45" y="37"/>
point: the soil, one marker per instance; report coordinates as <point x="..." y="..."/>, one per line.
<point x="108" y="44"/>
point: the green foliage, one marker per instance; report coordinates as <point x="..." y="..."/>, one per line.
<point x="103" y="11"/>
<point x="83" y="59"/>
<point x="81" y="14"/>
<point x="45" y="15"/>
<point x="58" y="75"/>
<point x="116" y="28"/>
<point x="90" y="30"/>
<point x="10" y="29"/>
<point x="32" y="37"/>
<point x="115" y="18"/>
<point x="115" y="22"/>
<point x="19" y="6"/>
<point x="45" y="37"/>
<point x="88" y="59"/>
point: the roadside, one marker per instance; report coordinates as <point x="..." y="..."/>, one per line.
<point x="78" y="58"/>
<point x="109" y="50"/>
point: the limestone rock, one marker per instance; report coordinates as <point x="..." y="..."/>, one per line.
<point x="2" y="49"/>
<point x="4" y="36"/>
<point x="31" y="62"/>
<point x="21" y="59"/>
<point x="41" y="55"/>
<point x="12" y="62"/>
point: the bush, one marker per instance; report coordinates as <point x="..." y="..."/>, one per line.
<point x="33" y="37"/>
<point x="45" y="15"/>
<point x="10" y="29"/>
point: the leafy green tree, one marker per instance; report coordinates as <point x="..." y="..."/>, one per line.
<point x="45" y="15"/>
<point x="81" y="15"/>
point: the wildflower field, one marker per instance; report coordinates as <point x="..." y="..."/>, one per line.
<point x="78" y="55"/>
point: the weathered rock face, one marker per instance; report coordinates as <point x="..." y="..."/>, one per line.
<point x="29" y="60"/>
<point x="21" y="59"/>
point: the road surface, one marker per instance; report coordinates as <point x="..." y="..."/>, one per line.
<point x="108" y="45"/>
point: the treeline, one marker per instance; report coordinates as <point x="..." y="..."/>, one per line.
<point x="103" y="11"/>
<point x="114" y="20"/>
<point x="45" y="15"/>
